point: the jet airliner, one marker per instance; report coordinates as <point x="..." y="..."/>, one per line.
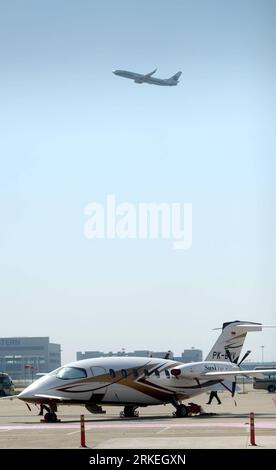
<point x="148" y="78"/>
<point x="134" y="382"/>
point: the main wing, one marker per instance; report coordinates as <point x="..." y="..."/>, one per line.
<point x="252" y="373"/>
<point x="147" y="75"/>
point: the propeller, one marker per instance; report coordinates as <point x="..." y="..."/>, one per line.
<point x="232" y="391"/>
<point x="244" y="357"/>
<point x="235" y="361"/>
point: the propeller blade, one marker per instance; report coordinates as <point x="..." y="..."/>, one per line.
<point x="244" y="357"/>
<point x="234" y="384"/>
<point x="227" y="352"/>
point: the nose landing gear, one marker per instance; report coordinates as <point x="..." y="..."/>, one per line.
<point x="50" y="415"/>
<point x="130" y="412"/>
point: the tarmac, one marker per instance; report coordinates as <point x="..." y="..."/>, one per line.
<point x="224" y="426"/>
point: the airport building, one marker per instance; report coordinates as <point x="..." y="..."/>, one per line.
<point x="191" y="355"/>
<point x="22" y="358"/>
<point x="137" y="353"/>
<point x="188" y="355"/>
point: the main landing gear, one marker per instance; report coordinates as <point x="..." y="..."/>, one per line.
<point x="182" y="411"/>
<point x="130" y="412"/>
<point x="50" y="415"/>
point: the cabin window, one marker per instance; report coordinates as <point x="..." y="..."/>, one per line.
<point x="167" y="372"/>
<point x="69" y="373"/>
<point x="124" y="373"/>
<point x="146" y="372"/>
<point x="135" y="373"/>
<point x="157" y="373"/>
<point x="112" y="373"/>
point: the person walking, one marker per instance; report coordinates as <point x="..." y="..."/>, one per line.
<point x="213" y="394"/>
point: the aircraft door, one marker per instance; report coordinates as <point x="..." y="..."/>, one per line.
<point x="99" y="384"/>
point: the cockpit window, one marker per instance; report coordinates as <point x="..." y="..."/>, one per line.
<point x="67" y="373"/>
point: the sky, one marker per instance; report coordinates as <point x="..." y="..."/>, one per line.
<point x="72" y="132"/>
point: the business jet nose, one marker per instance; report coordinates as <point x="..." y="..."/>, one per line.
<point x="25" y="395"/>
<point x="114" y="71"/>
<point x="29" y="393"/>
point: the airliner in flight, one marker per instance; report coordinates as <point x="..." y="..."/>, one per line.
<point x="133" y="382"/>
<point x="148" y="78"/>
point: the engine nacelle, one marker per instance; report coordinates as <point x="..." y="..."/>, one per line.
<point x="195" y="370"/>
<point x="187" y="371"/>
<point x="138" y="81"/>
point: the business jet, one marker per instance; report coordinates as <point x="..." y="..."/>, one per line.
<point x="134" y="382"/>
<point x="148" y="78"/>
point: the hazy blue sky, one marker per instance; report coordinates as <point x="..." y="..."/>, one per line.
<point x="72" y="132"/>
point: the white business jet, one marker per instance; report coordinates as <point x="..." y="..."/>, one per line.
<point x="134" y="382"/>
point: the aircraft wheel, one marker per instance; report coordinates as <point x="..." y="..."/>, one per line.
<point x="129" y="412"/>
<point x="181" y="411"/>
<point x="50" y="417"/>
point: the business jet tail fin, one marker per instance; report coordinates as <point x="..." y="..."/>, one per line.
<point x="230" y="342"/>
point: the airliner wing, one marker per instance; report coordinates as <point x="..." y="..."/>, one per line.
<point x="147" y="75"/>
<point x="253" y="373"/>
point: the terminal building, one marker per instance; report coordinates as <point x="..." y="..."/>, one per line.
<point x="137" y="353"/>
<point x="191" y="355"/>
<point x="23" y="357"/>
<point x="188" y="355"/>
